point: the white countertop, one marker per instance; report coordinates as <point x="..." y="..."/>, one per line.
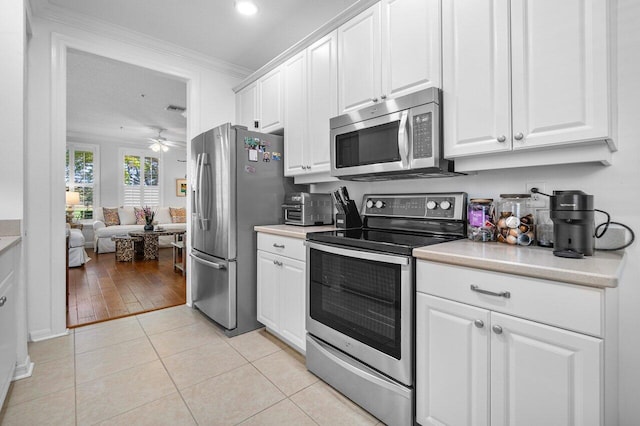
<point x="6" y="242"/>
<point x="600" y="270"/>
<point x="292" y="230"/>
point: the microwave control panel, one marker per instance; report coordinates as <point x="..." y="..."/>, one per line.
<point x="428" y="206"/>
<point x="422" y="135"/>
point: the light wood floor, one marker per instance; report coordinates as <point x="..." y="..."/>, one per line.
<point x="104" y="289"/>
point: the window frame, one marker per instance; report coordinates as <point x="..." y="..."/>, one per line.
<point x="71" y="148"/>
<point x="142" y="153"/>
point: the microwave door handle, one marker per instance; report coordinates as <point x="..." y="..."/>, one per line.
<point x="403" y="139"/>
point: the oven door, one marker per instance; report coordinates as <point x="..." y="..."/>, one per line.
<point x="375" y="145"/>
<point x="361" y="303"/>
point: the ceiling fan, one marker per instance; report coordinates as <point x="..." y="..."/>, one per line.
<point x="160" y="143"/>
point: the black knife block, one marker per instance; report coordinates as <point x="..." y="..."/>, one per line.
<point x="350" y="218"/>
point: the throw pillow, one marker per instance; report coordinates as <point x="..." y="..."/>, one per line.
<point x="111" y="216"/>
<point x="178" y="215"/>
<point x="140" y="220"/>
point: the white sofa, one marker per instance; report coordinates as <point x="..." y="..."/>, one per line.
<point x="102" y="234"/>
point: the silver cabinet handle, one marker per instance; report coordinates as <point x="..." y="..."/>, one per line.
<point x="383" y="97"/>
<point x="504" y="294"/>
<point x="502" y="138"/>
<point x="275" y="262"/>
<point x="308" y="167"/>
<point x="497" y="329"/>
<point x="374" y="99"/>
<point x="278" y="245"/>
<point x="478" y="323"/>
<point x="3" y="300"/>
<point x="518" y="136"/>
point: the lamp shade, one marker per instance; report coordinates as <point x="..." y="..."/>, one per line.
<point x="72" y="198"/>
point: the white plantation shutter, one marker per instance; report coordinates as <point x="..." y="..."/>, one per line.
<point x="141" y="183"/>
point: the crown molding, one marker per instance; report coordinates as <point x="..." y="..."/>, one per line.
<point x="44" y="10"/>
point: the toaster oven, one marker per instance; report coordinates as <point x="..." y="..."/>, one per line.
<point x="305" y="209"/>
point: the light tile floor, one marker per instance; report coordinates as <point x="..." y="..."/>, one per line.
<point x="172" y="367"/>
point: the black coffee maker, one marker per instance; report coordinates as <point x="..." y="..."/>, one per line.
<point x="573" y="224"/>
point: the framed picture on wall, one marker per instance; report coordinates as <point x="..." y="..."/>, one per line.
<point x="181" y="187"/>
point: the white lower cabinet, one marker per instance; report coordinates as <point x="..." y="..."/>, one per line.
<point x="281" y="290"/>
<point x="8" y="338"/>
<point x="478" y="366"/>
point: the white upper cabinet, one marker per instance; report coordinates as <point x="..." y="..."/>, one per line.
<point x="560" y="71"/>
<point x="359" y="61"/>
<point x="475" y="77"/>
<point x="271" y="107"/>
<point x="247" y="107"/>
<point x="295" y="114"/>
<point x="260" y="106"/>
<point x="310" y="100"/>
<point x="554" y="56"/>
<point x="410" y="46"/>
<point x="389" y="50"/>
<point x="322" y="102"/>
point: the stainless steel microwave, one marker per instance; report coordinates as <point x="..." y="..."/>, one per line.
<point x="399" y="138"/>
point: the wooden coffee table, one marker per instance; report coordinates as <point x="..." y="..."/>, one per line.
<point x="150" y="241"/>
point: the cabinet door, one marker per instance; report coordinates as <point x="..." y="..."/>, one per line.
<point x="295" y="114"/>
<point x="246" y="103"/>
<point x="270" y="101"/>
<point x="560" y="71"/>
<point x="359" y="61"/>
<point x="452" y="363"/>
<point x="410" y="46"/>
<point x="267" y="274"/>
<point x="292" y="302"/>
<point x="8" y="338"/>
<point x="542" y="375"/>
<point x="475" y="77"/>
<point x="322" y="103"/>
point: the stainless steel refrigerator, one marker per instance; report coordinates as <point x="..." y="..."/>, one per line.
<point x="238" y="183"/>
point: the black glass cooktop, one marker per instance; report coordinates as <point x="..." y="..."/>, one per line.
<point x="376" y="240"/>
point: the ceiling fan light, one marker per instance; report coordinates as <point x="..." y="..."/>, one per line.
<point x="155" y="147"/>
<point x="165" y="148"/>
<point x="246" y="7"/>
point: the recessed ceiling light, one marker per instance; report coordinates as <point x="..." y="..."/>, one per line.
<point x="246" y="7"/>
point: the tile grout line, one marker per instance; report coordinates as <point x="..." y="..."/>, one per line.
<point x="168" y="374"/>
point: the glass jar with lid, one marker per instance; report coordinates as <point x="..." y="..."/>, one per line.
<point x="515" y="223"/>
<point x="481" y="217"/>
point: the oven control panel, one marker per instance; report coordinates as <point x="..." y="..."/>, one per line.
<point x="428" y="206"/>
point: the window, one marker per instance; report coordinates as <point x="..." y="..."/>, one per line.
<point x="81" y="173"/>
<point x="141" y="179"/>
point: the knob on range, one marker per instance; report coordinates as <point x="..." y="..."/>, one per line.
<point x="445" y="205"/>
<point x="431" y="205"/>
<point x="377" y="204"/>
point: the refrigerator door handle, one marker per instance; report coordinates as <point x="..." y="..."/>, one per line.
<point x="207" y="263"/>
<point x="196" y="188"/>
<point x="200" y="191"/>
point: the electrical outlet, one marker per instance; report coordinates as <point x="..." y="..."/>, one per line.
<point x="537" y="200"/>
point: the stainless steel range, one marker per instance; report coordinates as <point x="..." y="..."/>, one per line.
<point x="361" y="297"/>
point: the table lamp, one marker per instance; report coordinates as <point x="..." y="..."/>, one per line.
<point x="71" y="199"/>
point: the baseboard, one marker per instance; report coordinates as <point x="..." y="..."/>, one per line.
<point x="39" y="335"/>
<point x="23" y="370"/>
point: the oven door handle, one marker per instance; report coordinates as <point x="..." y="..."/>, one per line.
<point x="359" y="254"/>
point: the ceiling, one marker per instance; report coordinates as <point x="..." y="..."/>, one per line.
<point x="105" y="97"/>
<point x="212" y="27"/>
<point x="111" y="100"/>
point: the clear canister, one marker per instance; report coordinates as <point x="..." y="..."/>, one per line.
<point x="481" y="217"/>
<point x="515" y="223"/>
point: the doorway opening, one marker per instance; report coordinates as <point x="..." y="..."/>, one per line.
<point x="126" y="133"/>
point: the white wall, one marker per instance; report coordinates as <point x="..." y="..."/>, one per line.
<point x="110" y="177"/>
<point x="210" y="101"/>
<point x="616" y="189"/>
<point x="12" y="52"/>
